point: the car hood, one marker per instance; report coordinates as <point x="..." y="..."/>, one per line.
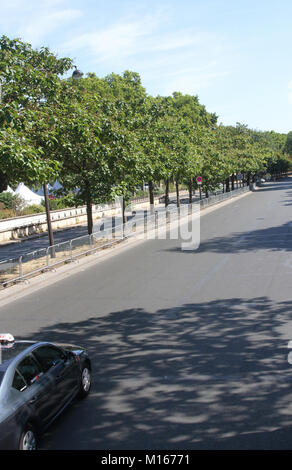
<point x="70" y="347"/>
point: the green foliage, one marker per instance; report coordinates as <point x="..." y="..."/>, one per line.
<point x="11" y="201"/>
<point x="288" y="144"/>
<point x="30" y="87"/>
<point x="62" y="202"/>
<point x="6" y="199"/>
<point x="6" y="213"/>
<point x="32" y="209"/>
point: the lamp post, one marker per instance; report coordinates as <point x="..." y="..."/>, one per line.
<point x="77" y="73"/>
<point x="49" y="223"/>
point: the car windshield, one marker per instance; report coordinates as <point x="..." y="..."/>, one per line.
<point x="9" y="352"/>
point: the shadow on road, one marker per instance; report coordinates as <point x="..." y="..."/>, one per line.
<point x="289" y="202"/>
<point x="280" y="185"/>
<point x="272" y="238"/>
<point x="211" y="375"/>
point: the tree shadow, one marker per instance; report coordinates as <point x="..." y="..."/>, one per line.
<point x="276" y="238"/>
<point x="288" y="195"/>
<point x="280" y="185"/>
<point x="211" y="375"/>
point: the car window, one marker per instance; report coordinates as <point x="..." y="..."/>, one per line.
<point x="49" y="356"/>
<point x="1" y="376"/>
<point x="29" y="370"/>
<point x="18" y="382"/>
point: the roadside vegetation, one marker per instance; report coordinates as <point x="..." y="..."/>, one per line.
<point x="108" y="137"/>
<point x="12" y="205"/>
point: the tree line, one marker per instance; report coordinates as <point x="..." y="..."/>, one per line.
<point x="105" y="137"/>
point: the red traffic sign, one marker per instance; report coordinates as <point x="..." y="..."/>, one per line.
<point x="199" y="179"/>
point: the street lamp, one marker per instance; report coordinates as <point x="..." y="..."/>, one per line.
<point x="49" y="223"/>
<point x="77" y="73"/>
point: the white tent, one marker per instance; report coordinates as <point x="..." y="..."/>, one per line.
<point x="9" y="190"/>
<point x="27" y="195"/>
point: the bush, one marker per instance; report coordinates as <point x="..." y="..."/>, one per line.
<point x="6" y="214"/>
<point x="12" y="201"/>
<point x="61" y="203"/>
<point x="6" y="199"/>
<point x="141" y="193"/>
<point x="33" y="209"/>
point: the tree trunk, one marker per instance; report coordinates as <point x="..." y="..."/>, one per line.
<point x="190" y="191"/>
<point x="177" y="194"/>
<point x="151" y="196"/>
<point x="124" y="204"/>
<point x="232" y="181"/>
<point x="89" y="214"/>
<point x="200" y="191"/>
<point x="227" y="182"/>
<point x="166" y="192"/>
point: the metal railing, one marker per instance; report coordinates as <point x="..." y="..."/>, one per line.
<point x="29" y="264"/>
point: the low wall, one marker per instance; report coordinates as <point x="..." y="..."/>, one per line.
<point x="25" y="226"/>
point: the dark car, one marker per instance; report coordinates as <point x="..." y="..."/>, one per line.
<point x="37" y="381"/>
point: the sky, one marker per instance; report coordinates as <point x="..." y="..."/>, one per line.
<point x="234" y="55"/>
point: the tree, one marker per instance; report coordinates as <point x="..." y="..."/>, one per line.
<point x="193" y="123"/>
<point x="288" y="144"/>
<point x="99" y="151"/>
<point x="30" y="82"/>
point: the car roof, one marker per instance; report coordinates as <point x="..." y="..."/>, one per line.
<point x="10" y="352"/>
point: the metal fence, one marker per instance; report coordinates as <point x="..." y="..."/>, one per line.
<point x="29" y="264"/>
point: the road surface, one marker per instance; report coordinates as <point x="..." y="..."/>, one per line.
<point x="189" y="348"/>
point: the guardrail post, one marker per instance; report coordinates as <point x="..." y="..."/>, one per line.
<point x="156" y="220"/>
<point x="20" y="267"/>
<point x="113" y="227"/>
<point x="190" y="208"/>
<point x="71" y="251"/>
<point x="134" y="225"/>
<point x="48" y="258"/>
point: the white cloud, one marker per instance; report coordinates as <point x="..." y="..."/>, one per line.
<point x="178" y="40"/>
<point x="121" y="39"/>
<point x="193" y="80"/>
<point x="34" y="31"/>
<point x="146" y="45"/>
<point x="35" y="20"/>
<point x="130" y="37"/>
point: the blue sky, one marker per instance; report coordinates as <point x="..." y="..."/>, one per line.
<point x="235" y="55"/>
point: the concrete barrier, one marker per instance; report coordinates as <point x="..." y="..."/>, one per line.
<point x="25" y="226"/>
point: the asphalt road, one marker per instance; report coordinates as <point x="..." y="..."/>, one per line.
<point x="189" y="348"/>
